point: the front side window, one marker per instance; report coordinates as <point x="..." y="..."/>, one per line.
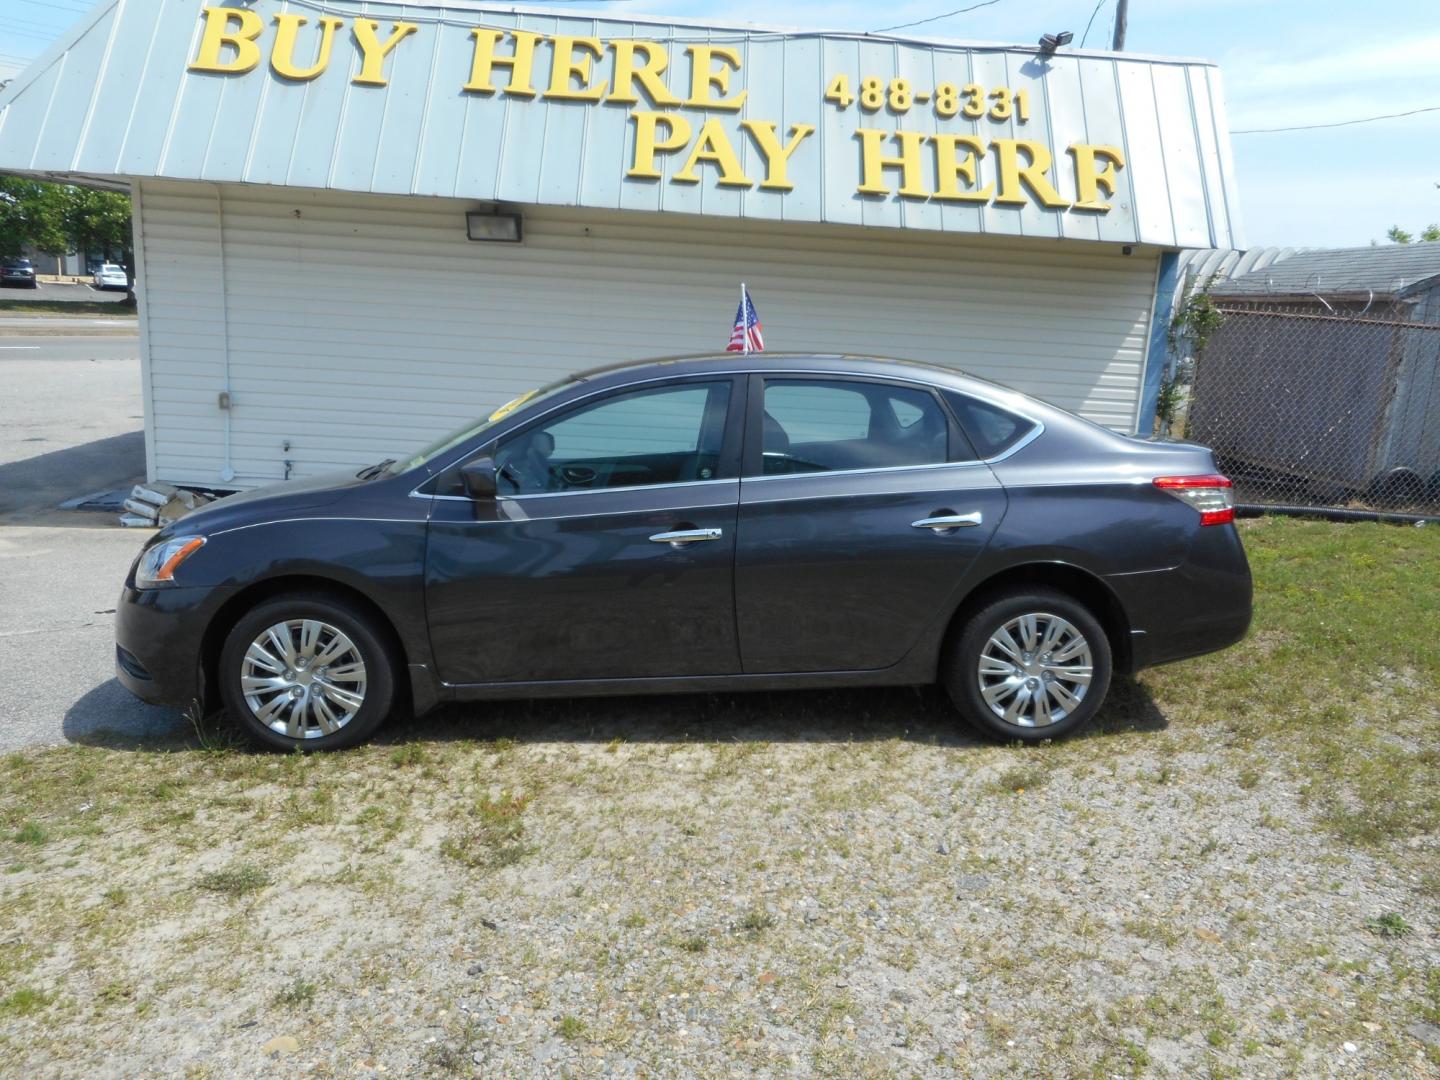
<point x="668" y="435"/>
<point x="817" y="425"/>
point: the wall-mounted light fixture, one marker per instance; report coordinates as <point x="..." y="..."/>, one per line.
<point x="1050" y="42"/>
<point x="493" y="226"/>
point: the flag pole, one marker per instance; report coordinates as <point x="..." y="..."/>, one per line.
<point x="744" y="323"/>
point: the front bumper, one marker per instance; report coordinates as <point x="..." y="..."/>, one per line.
<point x="1200" y="606"/>
<point x="159" y="642"/>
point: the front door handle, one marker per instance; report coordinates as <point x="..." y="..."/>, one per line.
<point x="944" y="523"/>
<point x="681" y="537"/>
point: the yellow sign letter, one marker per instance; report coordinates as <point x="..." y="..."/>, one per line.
<point x="566" y="67"/>
<point x="647" y="144"/>
<point x="953" y="168"/>
<point x="372" y="71"/>
<point x="282" y="56"/>
<point x="714" y="146"/>
<point x="218" y="33"/>
<point x="521" y="62"/>
<point x="1089" y="180"/>
<point x="777" y="157"/>
<point x="1013" y="174"/>
<point x="872" y="147"/>
<point x="648" y="73"/>
<point x="703" y="77"/>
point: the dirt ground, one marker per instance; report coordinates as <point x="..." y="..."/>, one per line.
<point x="1224" y="877"/>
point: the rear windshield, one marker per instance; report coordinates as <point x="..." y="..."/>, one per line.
<point x="993" y="430"/>
<point x="18" y="264"/>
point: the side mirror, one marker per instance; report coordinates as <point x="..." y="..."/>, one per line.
<point x="479" y="478"/>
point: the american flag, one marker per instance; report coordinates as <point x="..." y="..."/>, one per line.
<point x="746" y="337"/>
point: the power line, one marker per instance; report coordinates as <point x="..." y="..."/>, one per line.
<point x="933" y="18"/>
<point x="1338" y="123"/>
<point x="1086" y="36"/>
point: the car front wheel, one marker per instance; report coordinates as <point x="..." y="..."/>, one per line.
<point x="308" y="672"/>
<point x="1031" y="664"/>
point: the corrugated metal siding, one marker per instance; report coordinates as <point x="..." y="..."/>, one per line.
<point x="360" y="327"/>
<point x="118" y="101"/>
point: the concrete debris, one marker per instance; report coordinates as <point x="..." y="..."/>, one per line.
<point x="136" y="521"/>
<point x="154" y="494"/>
<point x="160" y="504"/>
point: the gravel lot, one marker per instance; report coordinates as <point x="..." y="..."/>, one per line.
<point x="1223" y="879"/>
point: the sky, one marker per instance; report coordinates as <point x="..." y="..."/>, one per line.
<point x="1285" y="63"/>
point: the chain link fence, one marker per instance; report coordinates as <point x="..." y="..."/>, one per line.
<point x="1328" y="406"/>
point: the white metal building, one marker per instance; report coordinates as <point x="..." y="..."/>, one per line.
<point x="302" y="174"/>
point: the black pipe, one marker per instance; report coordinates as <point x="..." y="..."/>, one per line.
<point x="1325" y="513"/>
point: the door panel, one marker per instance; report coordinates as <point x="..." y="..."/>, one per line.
<point x="832" y="575"/>
<point x="833" y="569"/>
<point x="571" y="585"/>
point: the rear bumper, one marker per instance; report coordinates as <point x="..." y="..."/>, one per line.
<point x="159" y="635"/>
<point x="1200" y="606"/>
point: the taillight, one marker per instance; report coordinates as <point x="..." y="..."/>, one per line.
<point x="1212" y="495"/>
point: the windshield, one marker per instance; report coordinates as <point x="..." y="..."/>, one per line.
<point x="469" y="431"/>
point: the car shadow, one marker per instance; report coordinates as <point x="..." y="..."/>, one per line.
<point x="109" y="715"/>
<point x="915" y="714"/>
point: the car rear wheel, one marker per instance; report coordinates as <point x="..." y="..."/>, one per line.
<point x="307" y="671"/>
<point x="1031" y="664"/>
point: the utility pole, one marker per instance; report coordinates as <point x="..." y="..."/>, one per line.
<point x="1122" y="13"/>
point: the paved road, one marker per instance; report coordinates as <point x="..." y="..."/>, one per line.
<point x="70" y="420"/>
<point x="70" y="424"/>
<point x="51" y="291"/>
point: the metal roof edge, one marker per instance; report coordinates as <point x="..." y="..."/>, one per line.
<point x="57" y="49"/>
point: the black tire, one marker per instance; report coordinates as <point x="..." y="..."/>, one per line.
<point x="961" y="677"/>
<point x="368" y="639"/>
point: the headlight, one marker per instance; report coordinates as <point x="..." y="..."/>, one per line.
<point x="158" y="564"/>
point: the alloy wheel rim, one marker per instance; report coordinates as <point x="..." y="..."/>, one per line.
<point x="303" y="678"/>
<point x="1035" y="670"/>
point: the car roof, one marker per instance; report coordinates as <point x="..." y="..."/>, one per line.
<point x="728" y="362"/>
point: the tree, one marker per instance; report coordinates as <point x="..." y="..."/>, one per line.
<point x="32" y="214"/>
<point x="59" y="218"/>
<point x="1429" y="234"/>
<point x="1398" y="235"/>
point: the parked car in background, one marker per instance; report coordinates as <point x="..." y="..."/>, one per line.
<point x="18" y="272"/>
<point x="702" y="524"/>
<point x="111" y="276"/>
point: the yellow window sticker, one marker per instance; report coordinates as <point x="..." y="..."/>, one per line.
<point x="510" y="406"/>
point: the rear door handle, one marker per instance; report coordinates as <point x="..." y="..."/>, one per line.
<point x="680" y="537"/>
<point x="948" y="522"/>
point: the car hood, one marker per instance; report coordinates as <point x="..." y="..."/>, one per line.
<point x="264" y="504"/>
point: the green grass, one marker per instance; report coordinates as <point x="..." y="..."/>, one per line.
<point x="31" y="834"/>
<point x="492" y="835"/>
<point x="1391" y="924"/>
<point x="236" y="880"/>
<point x="60" y="308"/>
<point x="23" y="1002"/>
<point x="298" y="994"/>
<point x="1341" y="672"/>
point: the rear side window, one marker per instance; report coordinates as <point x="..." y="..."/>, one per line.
<point x="815" y="425"/>
<point x="990" y="428"/>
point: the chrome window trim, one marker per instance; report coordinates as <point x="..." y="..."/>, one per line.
<point x="859" y="472"/>
<point x="1001" y="403"/>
